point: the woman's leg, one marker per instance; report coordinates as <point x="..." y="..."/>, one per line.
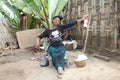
<point x="57" y="54"/>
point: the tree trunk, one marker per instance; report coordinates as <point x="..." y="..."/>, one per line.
<point x="23" y="25"/>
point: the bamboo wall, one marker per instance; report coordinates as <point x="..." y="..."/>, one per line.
<point x="105" y="24"/>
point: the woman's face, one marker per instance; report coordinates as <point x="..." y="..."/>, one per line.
<point x="56" y="21"/>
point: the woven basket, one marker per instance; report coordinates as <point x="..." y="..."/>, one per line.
<point x="69" y="47"/>
<point x="80" y="63"/>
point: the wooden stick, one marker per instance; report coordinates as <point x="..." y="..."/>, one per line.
<point x="87" y="35"/>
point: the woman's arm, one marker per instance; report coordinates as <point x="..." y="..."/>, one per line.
<point x="65" y="26"/>
<point x="37" y="43"/>
<point x="73" y="23"/>
<point x="38" y="40"/>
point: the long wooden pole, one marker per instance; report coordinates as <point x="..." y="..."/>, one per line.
<point x="87" y="33"/>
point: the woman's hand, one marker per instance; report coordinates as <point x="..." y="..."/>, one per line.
<point x="83" y="18"/>
<point x="37" y="44"/>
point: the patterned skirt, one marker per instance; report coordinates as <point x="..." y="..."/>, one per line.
<point x="57" y="53"/>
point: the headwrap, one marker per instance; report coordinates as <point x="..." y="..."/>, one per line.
<point x="60" y="17"/>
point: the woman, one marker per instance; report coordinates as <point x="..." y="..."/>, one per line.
<point x="56" y="48"/>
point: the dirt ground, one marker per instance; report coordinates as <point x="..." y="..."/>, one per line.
<point x="20" y="65"/>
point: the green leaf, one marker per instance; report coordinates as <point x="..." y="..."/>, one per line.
<point x="27" y="1"/>
<point x="55" y="6"/>
<point x="13" y="9"/>
<point x="51" y="8"/>
<point x="45" y="14"/>
<point x="29" y="21"/>
<point x="27" y="10"/>
<point x="37" y="2"/>
<point x="34" y="7"/>
<point x="8" y="18"/>
<point x="20" y="4"/>
<point x="60" y="6"/>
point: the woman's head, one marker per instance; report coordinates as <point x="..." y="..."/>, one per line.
<point x="56" y="20"/>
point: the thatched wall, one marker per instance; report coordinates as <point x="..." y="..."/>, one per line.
<point x="105" y="24"/>
<point x="6" y="34"/>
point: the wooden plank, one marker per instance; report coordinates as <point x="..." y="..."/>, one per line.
<point x="101" y="57"/>
<point x="27" y="38"/>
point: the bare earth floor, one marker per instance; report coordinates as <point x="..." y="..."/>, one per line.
<point x="19" y="66"/>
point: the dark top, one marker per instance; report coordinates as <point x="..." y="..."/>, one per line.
<point x="55" y="35"/>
